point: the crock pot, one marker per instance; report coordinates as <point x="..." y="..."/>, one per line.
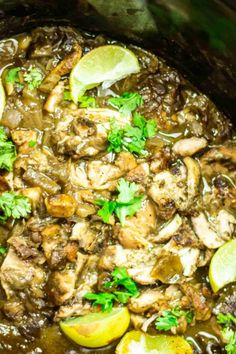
<point x="196" y="37"/>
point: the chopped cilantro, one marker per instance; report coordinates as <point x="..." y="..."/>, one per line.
<point x="126" y="103"/>
<point x="87" y="102"/>
<point x="166" y="321"/>
<point x="131" y="138"/>
<point x="13" y="205"/>
<point x="33" y="77"/>
<point x="229" y="335"/>
<point x="226" y="319"/>
<point x="32" y="143"/>
<point x="12" y="75"/>
<point x="108" y="208"/>
<point x="120" y="278"/>
<point x="84" y="101"/>
<point x="7" y="151"/>
<point x="3" y="250"/>
<point x="103" y="299"/>
<point x="169" y="318"/>
<point x="67" y="96"/>
<point x="126" y="204"/>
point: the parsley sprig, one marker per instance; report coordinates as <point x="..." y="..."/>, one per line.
<point x="229" y="335"/>
<point x="131" y="138"/>
<point x="13" y="205"/>
<point x="7" y="151"/>
<point x="120" y="279"/>
<point x="169" y="318"/>
<point x="126" y="103"/>
<point x="126" y="204"/>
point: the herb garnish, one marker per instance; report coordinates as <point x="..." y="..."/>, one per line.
<point x="229" y="335"/>
<point x="13" y="205"/>
<point x="127" y="102"/>
<point x="169" y="318"/>
<point x="33" y="77"/>
<point x="32" y="143"/>
<point x="12" y="75"/>
<point x="126" y="204"/>
<point x="131" y="138"/>
<point x="84" y="101"/>
<point x="120" y="278"/>
<point x="3" y="250"/>
<point x="7" y="151"/>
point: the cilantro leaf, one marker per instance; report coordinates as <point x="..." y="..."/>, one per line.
<point x="126" y="191"/>
<point x="7" y="151"/>
<point x="67" y="96"/>
<point x="103" y="299"/>
<point x="229" y="335"/>
<point x="169" y="318"/>
<point x="33" y="77"/>
<point x="115" y="138"/>
<point x="122" y="296"/>
<point x="226" y="319"/>
<point x="32" y="143"/>
<point x="126" y="204"/>
<point x="13" y="205"/>
<point x="3" y="250"/>
<point x="107" y="209"/>
<point x="131" y="138"/>
<point x="127" y="102"/>
<point x="12" y="75"/>
<point x="121" y="277"/>
<point x="130" y="209"/>
<point x="166" y="321"/>
<point x="87" y="101"/>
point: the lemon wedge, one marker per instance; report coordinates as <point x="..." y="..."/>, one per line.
<point x="138" y="342"/>
<point x="106" y="64"/>
<point x="222" y="269"/>
<point x="97" y="329"/>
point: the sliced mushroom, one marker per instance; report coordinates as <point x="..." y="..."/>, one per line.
<point x="190" y="146"/>
<point x="55" y="96"/>
<point x="168" y="229"/>
<point x="193" y="177"/>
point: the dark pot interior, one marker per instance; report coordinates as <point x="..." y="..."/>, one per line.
<point x="196" y="37"/>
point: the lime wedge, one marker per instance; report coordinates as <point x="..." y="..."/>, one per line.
<point x="2" y="99"/>
<point x="97" y="329"/>
<point x="106" y="64"/>
<point x="137" y="342"/>
<point x="222" y="269"/>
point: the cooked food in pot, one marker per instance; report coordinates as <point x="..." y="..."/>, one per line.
<point x="117" y="202"/>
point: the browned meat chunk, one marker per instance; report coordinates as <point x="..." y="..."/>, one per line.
<point x="146" y="300"/>
<point x="202" y="306"/>
<point x="20" y="275"/>
<point x="168" y="267"/>
<point x="61" y="205"/>
<point x="90" y="236"/>
<point x="134" y="233"/>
